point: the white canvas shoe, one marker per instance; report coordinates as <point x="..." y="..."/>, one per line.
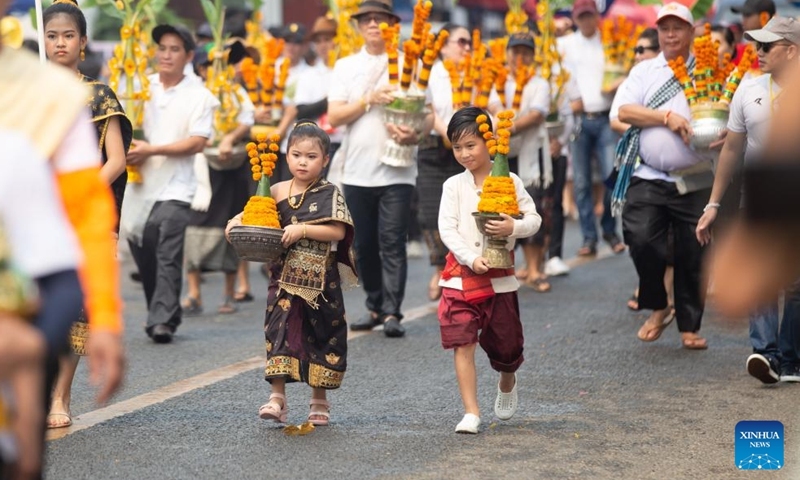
<point x="505" y="406"/>
<point x="469" y="424"/>
<point x="555" y="267"/>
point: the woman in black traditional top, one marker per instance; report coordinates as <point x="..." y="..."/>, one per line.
<point x="65" y="40"/>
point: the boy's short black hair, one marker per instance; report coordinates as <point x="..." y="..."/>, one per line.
<point x="463" y="123"/>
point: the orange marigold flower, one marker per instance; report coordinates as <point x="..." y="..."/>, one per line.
<point x="264" y="157"/>
<point x="488" y="136"/>
<point x="491" y="143"/>
<point x="255" y="168"/>
<point x="254" y="161"/>
<point x="502" y="149"/>
<point x="262" y="146"/>
<point x="503" y="133"/>
<point x="484" y="127"/>
<point x="257" y="177"/>
<point x="482" y="118"/>
<point x="274" y="147"/>
<point x="261" y="137"/>
<point x="492" y="151"/>
<point x="273" y="157"/>
<point x="274" y="138"/>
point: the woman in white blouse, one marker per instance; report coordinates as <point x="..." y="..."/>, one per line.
<point x="436" y="162"/>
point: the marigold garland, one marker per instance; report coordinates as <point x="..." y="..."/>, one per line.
<point x="498" y="194"/>
<point x="261" y="209"/>
<point x="712" y="80"/>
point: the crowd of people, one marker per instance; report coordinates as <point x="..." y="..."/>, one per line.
<point x="335" y="195"/>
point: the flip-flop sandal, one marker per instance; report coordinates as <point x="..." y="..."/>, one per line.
<point x="634" y="300"/>
<point x="539" y="285"/>
<point x="697" y="343"/>
<point x="191" y="306"/>
<point x="227" y="307"/>
<point x="659" y="330"/>
<point x="53" y="425"/>
<point x="326" y="416"/>
<point x="243" y="297"/>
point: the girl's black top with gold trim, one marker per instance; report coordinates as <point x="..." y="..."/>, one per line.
<point x="104" y="104"/>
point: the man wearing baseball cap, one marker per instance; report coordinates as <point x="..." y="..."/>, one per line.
<point x="178" y="120"/>
<point x="584" y="59"/>
<point x="656" y="192"/>
<point x="776" y="351"/>
<point x="755" y="13"/>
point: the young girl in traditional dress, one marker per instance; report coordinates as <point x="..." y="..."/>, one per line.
<point x="65" y="41"/>
<point x="305" y="325"/>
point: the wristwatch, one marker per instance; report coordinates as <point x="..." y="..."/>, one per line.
<point x="710" y="206"/>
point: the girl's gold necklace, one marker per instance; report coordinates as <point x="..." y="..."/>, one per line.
<point x="291" y="200"/>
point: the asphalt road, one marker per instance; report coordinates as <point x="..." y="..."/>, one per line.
<point x="595" y="402"/>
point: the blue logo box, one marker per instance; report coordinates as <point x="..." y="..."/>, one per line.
<point x="759" y="445"/>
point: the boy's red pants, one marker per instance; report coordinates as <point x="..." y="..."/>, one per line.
<point x="493" y="323"/>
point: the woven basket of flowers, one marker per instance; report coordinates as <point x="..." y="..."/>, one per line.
<point x="258" y="239"/>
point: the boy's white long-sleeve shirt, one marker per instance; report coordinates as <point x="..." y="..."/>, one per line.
<point x="459" y="232"/>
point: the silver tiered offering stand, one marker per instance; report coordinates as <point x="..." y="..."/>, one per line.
<point x="408" y="109"/>
<point x="494" y="247"/>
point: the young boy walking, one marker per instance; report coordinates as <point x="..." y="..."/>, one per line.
<point x="479" y="304"/>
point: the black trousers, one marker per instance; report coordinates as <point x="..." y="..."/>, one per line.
<point x="160" y="262"/>
<point x="652" y="207"/>
<point x="557" y="231"/>
<point x="381" y="217"/>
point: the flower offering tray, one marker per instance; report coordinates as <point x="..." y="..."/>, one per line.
<point x="257" y="244"/>
<point x="708" y="121"/>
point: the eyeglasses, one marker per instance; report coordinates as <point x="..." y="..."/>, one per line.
<point x="462" y="42"/>
<point x="378" y="18"/>
<point x="639" y="50"/>
<point x="766" y="47"/>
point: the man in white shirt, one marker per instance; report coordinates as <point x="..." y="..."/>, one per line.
<point x="654" y="104"/>
<point x="584" y="58"/>
<point x="775" y="355"/>
<point x="378" y="195"/>
<point x="178" y="121"/>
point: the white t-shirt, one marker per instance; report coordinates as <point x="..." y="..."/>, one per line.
<point x="525" y="144"/>
<point x="291" y="88"/>
<point x="751" y="110"/>
<point x="312" y="87"/>
<point x="365" y="141"/>
<point x="584" y="59"/>
<point x="441" y="93"/>
<point x="660" y="149"/>
<point x="41" y="238"/>
<point x="200" y="123"/>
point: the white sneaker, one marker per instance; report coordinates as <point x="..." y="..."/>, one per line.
<point x="555" y="267"/>
<point x="505" y="406"/>
<point x="414" y="249"/>
<point x="469" y="424"/>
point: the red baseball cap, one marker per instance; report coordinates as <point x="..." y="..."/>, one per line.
<point x="584" y="6"/>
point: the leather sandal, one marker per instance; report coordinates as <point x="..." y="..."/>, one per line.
<point x="191" y="306"/>
<point x="326" y="416"/>
<point x="270" y="410"/>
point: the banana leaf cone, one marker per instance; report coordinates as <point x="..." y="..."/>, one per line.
<point x="500" y="166"/>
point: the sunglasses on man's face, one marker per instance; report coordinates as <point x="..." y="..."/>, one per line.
<point x="766" y="47"/>
<point x="375" y="17"/>
<point x="639" y="50"/>
<point x="462" y="42"/>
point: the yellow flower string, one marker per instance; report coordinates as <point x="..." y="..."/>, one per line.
<point x="516" y="20"/>
<point x="261" y="209"/>
<point x="547" y="58"/>
<point x="129" y="63"/>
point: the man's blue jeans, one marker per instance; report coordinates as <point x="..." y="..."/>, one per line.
<point x="780" y="344"/>
<point x="595" y="137"/>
